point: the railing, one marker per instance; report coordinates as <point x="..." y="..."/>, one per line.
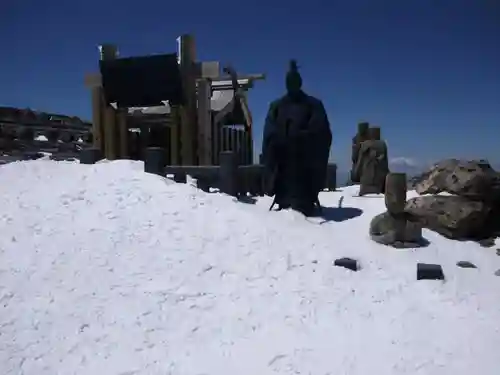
<point x="229" y="177"/>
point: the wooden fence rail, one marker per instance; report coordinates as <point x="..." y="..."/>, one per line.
<point x="229" y="177"/>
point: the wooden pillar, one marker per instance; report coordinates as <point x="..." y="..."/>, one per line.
<point x="52" y="135"/>
<point x="90" y="155"/>
<point x="249" y="130"/>
<point x="143" y="140"/>
<point x="175" y="139"/>
<point x="122" y="117"/>
<point x="93" y="82"/>
<point x="188" y="127"/>
<point x="110" y="134"/>
<point x="216" y="131"/>
<point x="97" y="128"/>
<point x="108" y="51"/>
<point x="155" y="160"/>
<point x="204" y="94"/>
<point x="228" y="173"/>
<point x="111" y="139"/>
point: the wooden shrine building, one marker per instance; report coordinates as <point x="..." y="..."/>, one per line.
<point x="170" y="101"/>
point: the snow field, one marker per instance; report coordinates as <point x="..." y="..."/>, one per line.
<point x="105" y="269"/>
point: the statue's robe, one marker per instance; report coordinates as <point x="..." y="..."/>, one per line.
<point x="372" y="167"/>
<point x="295" y="148"/>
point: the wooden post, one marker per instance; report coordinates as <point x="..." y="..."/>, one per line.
<point x="216" y="140"/>
<point x="249" y="130"/>
<point x="228" y="173"/>
<point x="52" y="135"/>
<point x="122" y="116"/>
<point x="204" y="94"/>
<point x="110" y="133"/>
<point x="26" y="134"/>
<point x="175" y="139"/>
<point x="180" y="177"/>
<point x="93" y="82"/>
<point x="108" y="51"/>
<point x="203" y="185"/>
<point x="155" y="160"/>
<point x="188" y="128"/>
<point x="111" y="140"/>
<point x="97" y="128"/>
<point x="90" y="155"/>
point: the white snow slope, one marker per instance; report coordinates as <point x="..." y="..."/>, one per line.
<point x="105" y="270"/>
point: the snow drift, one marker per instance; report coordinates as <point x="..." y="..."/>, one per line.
<point x="107" y="270"/>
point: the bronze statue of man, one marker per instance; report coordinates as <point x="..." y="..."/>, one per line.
<point x="296" y="146"/>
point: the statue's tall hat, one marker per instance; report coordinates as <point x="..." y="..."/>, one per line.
<point x="293" y="78"/>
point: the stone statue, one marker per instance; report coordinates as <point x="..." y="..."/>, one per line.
<point x="372" y="165"/>
<point x="361" y="136"/>
<point x="295" y="147"/>
<point x="394" y="227"/>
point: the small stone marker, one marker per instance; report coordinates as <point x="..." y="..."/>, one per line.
<point x="466" y="264"/>
<point x="429" y="272"/>
<point x="350" y="264"/>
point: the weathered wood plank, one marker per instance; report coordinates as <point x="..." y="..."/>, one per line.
<point x="188" y="128"/>
<point x="204" y="122"/>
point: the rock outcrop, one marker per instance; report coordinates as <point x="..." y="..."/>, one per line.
<point x="474" y="180"/>
<point x="451" y="216"/>
<point x="472" y="209"/>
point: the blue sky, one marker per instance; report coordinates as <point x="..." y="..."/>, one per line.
<point x="426" y="71"/>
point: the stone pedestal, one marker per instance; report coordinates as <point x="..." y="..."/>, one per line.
<point x="392" y="228"/>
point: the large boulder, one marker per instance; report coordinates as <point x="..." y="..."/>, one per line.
<point x="471" y="179"/>
<point x="452" y="216"/>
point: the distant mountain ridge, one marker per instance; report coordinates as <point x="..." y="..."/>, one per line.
<point x="20" y="115"/>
